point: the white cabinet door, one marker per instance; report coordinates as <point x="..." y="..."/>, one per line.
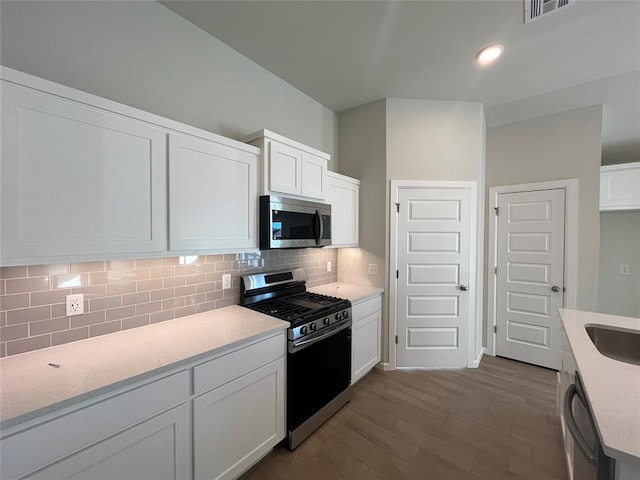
<point x="366" y="346"/>
<point x="63" y="433"/>
<point x="212" y="196"/>
<point x="365" y="337"/>
<point x="156" y="449"/>
<point x="343" y="194"/>
<point x="314" y="176"/>
<point x="620" y="187"/>
<point x="78" y="182"/>
<point x="289" y="167"/>
<point x="237" y="423"/>
<point x="285" y="169"/>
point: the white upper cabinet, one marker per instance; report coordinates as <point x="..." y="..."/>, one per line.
<point x="289" y="167"/>
<point x="620" y="187"/>
<point x="343" y="195"/>
<point x="85" y="178"/>
<point x="77" y="181"/>
<point x="285" y="168"/>
<point x="212" y="196"/>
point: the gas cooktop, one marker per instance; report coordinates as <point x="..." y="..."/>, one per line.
<point x="299" y="307"/>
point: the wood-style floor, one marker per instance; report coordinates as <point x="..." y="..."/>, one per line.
<point x="497" y="422"/>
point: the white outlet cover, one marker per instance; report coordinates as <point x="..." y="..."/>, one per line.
<point x="226" y="281"/>
<point x="75" y="304"/>
<point x="372" y="269"/>
<point x="328" y="265"/>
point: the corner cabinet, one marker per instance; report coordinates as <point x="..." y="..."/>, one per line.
<point x="344" y="196"/>
<point x="142" y="431"/>
<point x="213" y="419"/>
<point x="365" y="336"/>
<point x="212" y="196"/>
<point x="78" y="182"/>
<point x="620" y="187"/>
<point x="290" y="168"/>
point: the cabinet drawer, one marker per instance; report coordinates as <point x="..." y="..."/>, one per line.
<point x="367" y="307"/>
<point x="234" y="364"/>
<point x="54" y="439"/>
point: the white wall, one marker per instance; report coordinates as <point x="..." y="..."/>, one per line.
<point x="619" y="244"/>
<point x="434" y="140"/>
<point x="555" y="147"/>
<point x="142" y="54"/>
<point x="406" y="139"/>
<point x="442" y="140"/>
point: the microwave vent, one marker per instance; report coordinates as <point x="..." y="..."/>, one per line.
<point x="534" y="9"/>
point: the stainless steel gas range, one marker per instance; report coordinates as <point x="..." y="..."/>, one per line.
<point x="319" y="346"/>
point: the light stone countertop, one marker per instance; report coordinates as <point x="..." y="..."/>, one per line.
<point x="30" y="387"/>
<point x="349" y="291"/>
<point x="612" y="386"/>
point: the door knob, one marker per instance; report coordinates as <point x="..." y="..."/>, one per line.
<point x="463" y="287"/>
<point x="555" y="288"/>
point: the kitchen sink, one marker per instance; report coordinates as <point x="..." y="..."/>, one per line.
<point x="622" y="345"/>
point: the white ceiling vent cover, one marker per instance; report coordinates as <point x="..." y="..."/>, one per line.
<point x="534" y="9"/>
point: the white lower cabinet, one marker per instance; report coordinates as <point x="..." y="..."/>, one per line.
<point x="118" y="435"/>
<point x="155" y="449"/>
<point x="208" y="420"/>
<point x="365" y="337"/>
<point x="237" y="423"/>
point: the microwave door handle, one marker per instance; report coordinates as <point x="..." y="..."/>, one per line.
<point x="573" y="427"/>
<point x="319" y="230"/>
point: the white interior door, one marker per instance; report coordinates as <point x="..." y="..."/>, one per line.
<point x="530" y="278"/>
<point x="433" y="259"/>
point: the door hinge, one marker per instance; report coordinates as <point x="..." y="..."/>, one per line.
<point x="396" y="339"/>
<point x="495" y="329"/>
<point x="398" y="207"/>
<point x="495" y="270"/>
<point x="397" y="273"/>
<point x="497" y="209"/>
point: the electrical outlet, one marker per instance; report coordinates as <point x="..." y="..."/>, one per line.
<point x="328" y="265"/>
<point x="372" y="269"/>
<point x="75" y="304"/>
<point x="625" y="269"/>
<point x="226" y="281"/>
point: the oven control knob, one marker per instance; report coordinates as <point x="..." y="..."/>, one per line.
<point x="303" y="330"/>
<point x="326" y="321"/>
<point x="345" y="314"/>
<point x="312" y="327"/>
<point x="337" y="316"/>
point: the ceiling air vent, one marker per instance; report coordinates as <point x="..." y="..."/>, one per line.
<point x="534" y="9"/>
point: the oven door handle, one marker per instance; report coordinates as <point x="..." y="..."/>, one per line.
<point x="296" y="347"/>
<point x="573" y="427"/>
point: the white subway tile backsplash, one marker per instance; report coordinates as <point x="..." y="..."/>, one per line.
<point x="131" y="293"/>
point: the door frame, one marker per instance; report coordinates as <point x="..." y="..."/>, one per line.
<point x="396" y="185"/>
<point x="570" y="186"/>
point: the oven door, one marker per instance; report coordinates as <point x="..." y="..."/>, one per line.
<point x="288" y="223"/>
<point x="589" y="459"/>
<point x="316" y="374"/>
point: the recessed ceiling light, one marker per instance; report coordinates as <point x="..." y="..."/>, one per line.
<point x="489" y="54"/>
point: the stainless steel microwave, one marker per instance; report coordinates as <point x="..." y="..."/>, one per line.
<point x="292" y="223"/>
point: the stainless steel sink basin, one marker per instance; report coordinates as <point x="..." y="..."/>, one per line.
<point x="622" y="345"/>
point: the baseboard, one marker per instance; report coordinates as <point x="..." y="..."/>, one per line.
<point x="476" y="363"/>
<point x="384" y="366"/>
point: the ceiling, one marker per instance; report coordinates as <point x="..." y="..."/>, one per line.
<point x="347" y="53"/>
